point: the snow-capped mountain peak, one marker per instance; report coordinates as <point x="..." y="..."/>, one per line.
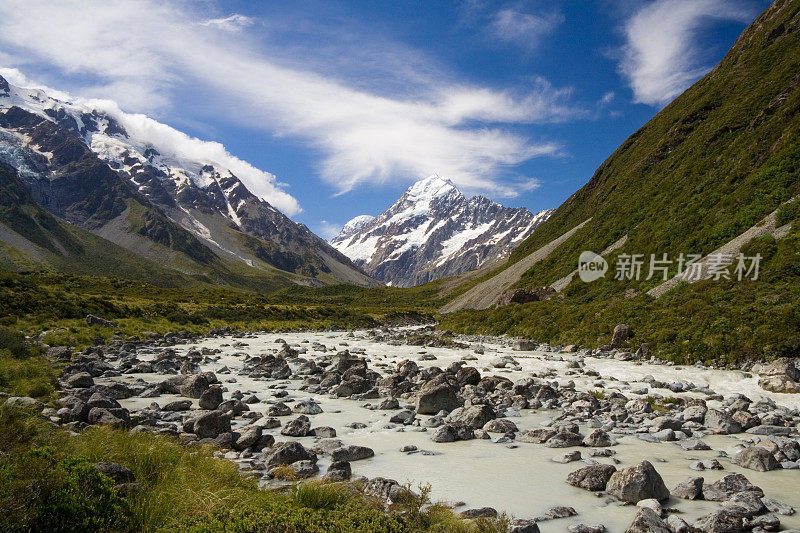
<point x="430" y="188"/>
<point x="355" y="224"/>
<point x="434" y="231"/>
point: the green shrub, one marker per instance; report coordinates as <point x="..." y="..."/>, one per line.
<point x="44" y="491"/>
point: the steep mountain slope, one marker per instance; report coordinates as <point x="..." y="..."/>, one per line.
<point x="193" y="215"/>
<point x="433" y="231"/>
<point x="708" y="168"/>
<point x="32" y="238"/>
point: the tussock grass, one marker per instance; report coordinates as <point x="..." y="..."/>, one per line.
<point x="43" y="469"/>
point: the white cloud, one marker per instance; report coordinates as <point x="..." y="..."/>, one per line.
<point x="328" y="230"/>
<point x="145" y="53"/>
<point x="661" y="58"/>
<point x="234" y="22"/>
<point x="523" y="29"/>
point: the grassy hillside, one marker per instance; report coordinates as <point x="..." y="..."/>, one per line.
<point x="710" y="165"/>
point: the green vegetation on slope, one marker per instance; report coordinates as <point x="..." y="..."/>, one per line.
<point x="720" y="322"/>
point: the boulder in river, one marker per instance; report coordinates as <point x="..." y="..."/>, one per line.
<point x="647" y="521"/>
<point x="474" y="416"/>
<point x="195" y="385"/>
<point x="209" y="425"/>
<point x="593" y="477"/>
<point x="638" y="482"/>
<point x="756" y="458"/>
<point x="441" y="397"/>
<point x="351" y="453"/>
<point x="338" y="471"/>
<point x="689" y="489"/>
<point x="299" y="427"/>
<point x="729" y="485"/>
<point x="286" y="453"/>
<point x="211" y="397"/>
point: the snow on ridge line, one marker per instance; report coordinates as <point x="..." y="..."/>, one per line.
<point x="177" y="149"/>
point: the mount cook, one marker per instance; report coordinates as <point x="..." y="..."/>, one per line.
<point x="433" y="231"/>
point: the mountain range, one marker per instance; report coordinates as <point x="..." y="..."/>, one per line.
<point x="433" y="231"/>
<point x="179" y="215"/>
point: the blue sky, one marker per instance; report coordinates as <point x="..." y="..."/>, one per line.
<point x="348" y="103"/>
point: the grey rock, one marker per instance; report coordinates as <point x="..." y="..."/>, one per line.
<point x="756" y="458"/>
<point x="209" y="425"/>
<point x="81" y="380"/>
<point x="352" y="453"/>
<point x="689" y="489"/>
<point x="115" y="471"/>
<point x="500" y="425"/>
<point x="339" y="471"/>
<point x="592" y="477"/>
<point x="598" y="439"/>
<point x="482" y="512"/>
<point x="647" y="521"/>
<point x="286" y="453"/>
<point x="636" y="483"/>
<point x="438" y="398"/>
<point x="299" y="427"/>
<point x="567" y="457"/>
<point x="729" y="485"/>
<point x="247" y="438"/>
<point x="474" y="416"/>
<point x="211" y="397"/>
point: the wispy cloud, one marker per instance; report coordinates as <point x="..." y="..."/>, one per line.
<point x="661" y="57"/>
<point x="144" y="54"/>
<point x="523" y="29"/>
<point x="233" y="22"/>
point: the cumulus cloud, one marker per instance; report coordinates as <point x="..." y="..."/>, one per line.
<point x="144" y="53"/>
<point x="661" y="57"/>
<point x="523" y="29"/>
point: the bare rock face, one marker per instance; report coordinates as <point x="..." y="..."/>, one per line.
<point x="434" y="231"/>
<point x="635" y="483"/>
